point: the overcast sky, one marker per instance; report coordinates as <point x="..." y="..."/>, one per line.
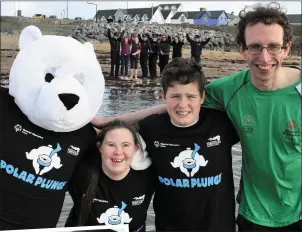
<point x="84" y="10"/>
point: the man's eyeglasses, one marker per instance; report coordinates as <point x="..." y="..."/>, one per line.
<point x="256" y="49"/>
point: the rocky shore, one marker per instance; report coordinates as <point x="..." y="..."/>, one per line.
<point x="219" y="39"/>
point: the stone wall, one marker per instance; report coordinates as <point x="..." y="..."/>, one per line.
<point x="14" y="25"/>
<point x="222" y="38"/>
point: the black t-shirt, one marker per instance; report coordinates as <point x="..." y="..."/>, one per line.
<point x="116" y="202"/>
<point x="135" y="47"/>
<point x="193" y="166"/>
<point x="165" y="46"/>
<point x="177" y="47"/>
<point x="35" y="166"/>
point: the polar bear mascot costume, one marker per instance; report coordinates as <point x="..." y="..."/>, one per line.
<point x="56" y="88"/>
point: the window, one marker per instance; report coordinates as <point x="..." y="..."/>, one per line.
<point x="205" y="19"/>
<point x="182" y="18"/>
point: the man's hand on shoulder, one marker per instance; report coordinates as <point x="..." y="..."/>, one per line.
<point x="99" y="121"/>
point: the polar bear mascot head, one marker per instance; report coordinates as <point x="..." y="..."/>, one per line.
<point x="56" y="81"/>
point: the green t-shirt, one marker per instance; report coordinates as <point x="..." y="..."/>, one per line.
<point x="269" y="127"/>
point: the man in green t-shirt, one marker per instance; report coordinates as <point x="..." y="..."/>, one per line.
<point x="264" y="104"/>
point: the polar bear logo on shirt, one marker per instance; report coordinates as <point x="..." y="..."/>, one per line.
<point x="115" y="216"/>
<point x="45" y="158"/>
<point x="189" y="160"/>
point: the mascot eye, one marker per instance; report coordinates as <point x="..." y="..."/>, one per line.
<point x="49" y="77"/>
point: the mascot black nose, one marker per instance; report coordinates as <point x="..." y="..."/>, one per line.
<point x="69" y="100"/>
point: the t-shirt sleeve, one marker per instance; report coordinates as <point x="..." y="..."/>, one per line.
<point x="79" y="181"/>
<point x="232" y="133"/>
<point x="145" y="124"/>
<point x="220" y="92"/>
<point x="151" y="180"/>
<point x="214" y="95"/>
<point x="2" y="106"/>
<point x="74" y="188"/>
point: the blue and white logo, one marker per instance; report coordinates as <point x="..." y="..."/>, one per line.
<point x="45" y="158"/>
<point x="189" y="160"/>
<point x="115" y="216"/>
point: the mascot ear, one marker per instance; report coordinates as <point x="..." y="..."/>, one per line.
<point x="28" y="35"/>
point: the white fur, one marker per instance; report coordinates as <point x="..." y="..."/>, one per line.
<point x="75" y="70"/>
<point x="140" y="160"/>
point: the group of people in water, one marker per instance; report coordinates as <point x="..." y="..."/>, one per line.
<point x="185" y="144"/>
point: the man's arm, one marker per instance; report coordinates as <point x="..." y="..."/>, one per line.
<point x="205" y="42"/>
<point x="122" y="34"/>
<point x="108" y="34"/>
<point x="214" y="96"/>
<point x="139" y="38"/>
<point x="189" y="39"/>
<point x="131" y="117"/>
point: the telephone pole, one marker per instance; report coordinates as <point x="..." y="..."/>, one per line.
<point x="96" y="10"/>
<point x="67" y="9"/>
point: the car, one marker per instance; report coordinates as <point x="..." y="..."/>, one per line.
<point x="52" y="16"/>
<point x="78" y="18"/>
<point x="39" y="16"/>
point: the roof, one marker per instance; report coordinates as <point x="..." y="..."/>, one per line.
<point x="139" y="11"/>
<point x="188" y="14"/>
<point x="294" y="18"/>
<point x="230" y="16"/>
<point x="197" y="15"/>
<point x="177" y="15"/>
<point x="236" y="18"/>
<point x="165" y="13"/>
<point x="131" y="12"/>
<point x="177" y="5"/>
<point x="105" y="13"/>
<point x="214" y="14"/>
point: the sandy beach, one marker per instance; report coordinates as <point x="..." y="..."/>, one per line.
<point x="215" y="63"/>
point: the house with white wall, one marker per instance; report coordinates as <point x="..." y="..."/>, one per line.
<point x="185" y="17"/>
<point x="140" y="14"/>
<point x="234" y="21"/>
<point x="217" y="17"/>
<point x="105" y="15"/>
<point x="158" y="14"/>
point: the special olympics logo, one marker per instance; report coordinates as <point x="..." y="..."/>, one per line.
<point x="18" y="128"/>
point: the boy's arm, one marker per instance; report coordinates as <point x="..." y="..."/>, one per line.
<point x="131" y="117"/>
